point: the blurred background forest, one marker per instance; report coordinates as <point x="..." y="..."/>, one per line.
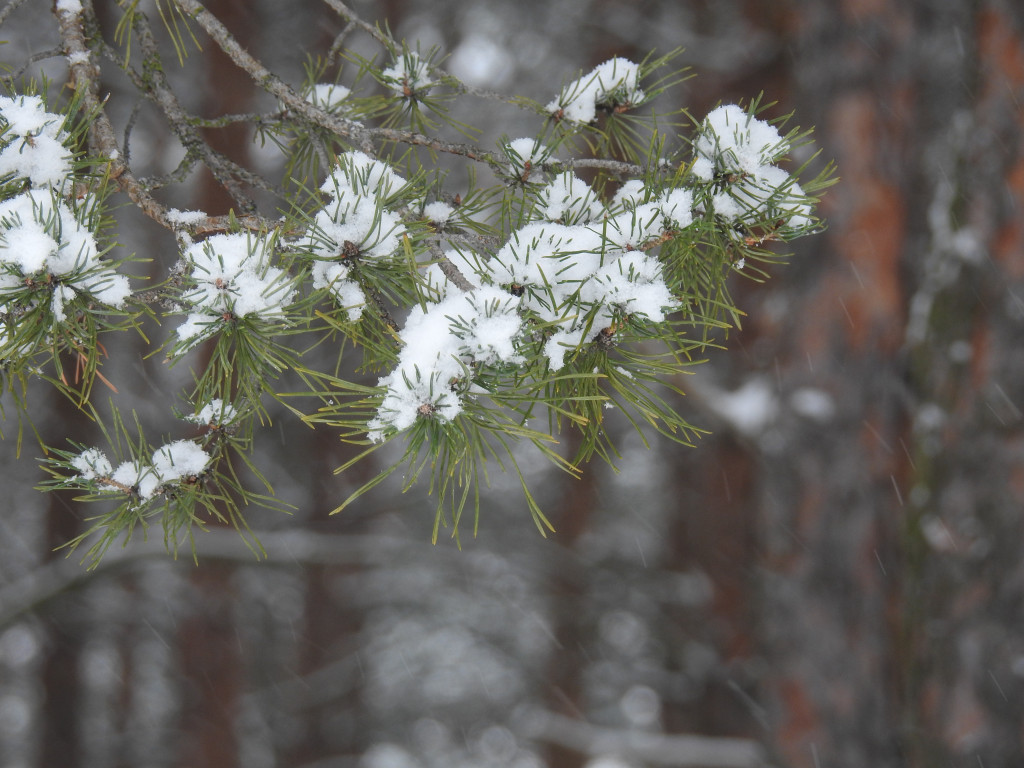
<point x="831" y="578"/>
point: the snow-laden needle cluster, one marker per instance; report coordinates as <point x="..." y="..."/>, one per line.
<point x="215" y="413"/>
<point x="578" y="268"/>
<point x="738" y="152"/>
<point x="170" y="464"/>
<point x="441" y="344"/>
<point x="355" y="224"/>
<point x="230" y="277"/>
<point x="49" y="257"/>
<point x="51" y="263"/>
<point x="524" y="157"/>
<point x="577" y="277"/>
<point x="408" y="76"/>
<point x="32" y="143"/>
<point x="615" y="83"/>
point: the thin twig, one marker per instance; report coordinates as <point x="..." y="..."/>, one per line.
<point x="177" y="176"/>
<point x="382" y="308"/>
<point x="438" y="73"/>
<point x="224" y="170"/>
<point x="53" y="53"/>
<point x="450" y="271"/>
<point x="223" y="121"/>
<point x="339" y="40"/>
<point x="617" y="167"/>
<point x="84" y="78"/>
<point x="485" y="243"/>
<point x="263" y="77"/>
<point x="11" y="6"/>
<point x="353" y="19"/>
<point x="128" y="128"/>
<point x="346" y="129"/>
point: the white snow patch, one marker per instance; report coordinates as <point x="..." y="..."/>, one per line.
<point x="347" y="293"/>
<point x="748" y="409"/>
<point x="570" y="200"/>
<point x="814" y="404"/>
<point x="172" y="462"/>
<point x="215" y="412"/>
<point x="355" y="222"/>
<point x="185" y="218"/>
<point x="613" y="83"/>
<point x="329" y="96"/>
<point x="525" y="155"/>
<point x="42" y="241"/>
<point x="438" y="212"/>
<point x="233" y="278"/>
<point x="579" y="277"/>
<point x="439" y="344"/>
<point x="33" y="143"/>
<point x="407" y="75"/>
<point x="92" y="463"/>
<point x="737" y="152"/>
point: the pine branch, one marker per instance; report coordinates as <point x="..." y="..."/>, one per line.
<point x="541" y="298"/>
<point x="345" y="129"/>
<point x="84" y="77"/>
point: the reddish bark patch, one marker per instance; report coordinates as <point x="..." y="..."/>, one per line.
<point x="872" y="236"/>
<point x="1008" y="244"/>
<point x="1000" y="49"/>
<point x="800" y="727"/>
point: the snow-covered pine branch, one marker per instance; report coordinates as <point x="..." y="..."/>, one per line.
<point x="588" y="267"/>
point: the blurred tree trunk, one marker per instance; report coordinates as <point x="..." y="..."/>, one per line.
<point x="61" y="733"/>
<point x="208" y="641"/>
<point x="890" y="579"/>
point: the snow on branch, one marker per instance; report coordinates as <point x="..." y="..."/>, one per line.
<point x="551" y="277"/>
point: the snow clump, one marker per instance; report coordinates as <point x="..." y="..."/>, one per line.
<point x="569" y="200"/>
<point x="92" y="463"/>
<point x="232" y="279"/>
<point x="214" y="413"/>
<point x="170" y="463"/>
<point x="32" y="143"/>
<point x="738" y="152"/>
<point x="630" y="194"/>
<point x="184" y="218"/>
<point x="336" y="278"/>
<point x="581" y="278"/>
<point x="355" y="224"/>
<point x="408" y="75"/>
<point x="438" y="212"/>
<point x="439" y="344"/>
<point x="524" y="156"/>
<point x="329" y="96"/>
<point x="614" y="83"/>
<point x="45" y="249"/>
